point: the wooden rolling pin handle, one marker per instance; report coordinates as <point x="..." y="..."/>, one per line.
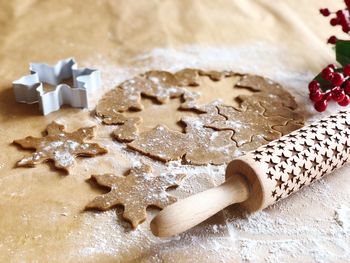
<point x="191" y="211"/>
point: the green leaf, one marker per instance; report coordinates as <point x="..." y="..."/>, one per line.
<point x="326" y="85"/>
<point x="342" y="51"/>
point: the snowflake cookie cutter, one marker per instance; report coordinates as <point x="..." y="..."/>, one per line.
<point x="30" y="88"/>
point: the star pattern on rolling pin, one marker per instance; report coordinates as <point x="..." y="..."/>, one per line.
<point x="306" y="155"/>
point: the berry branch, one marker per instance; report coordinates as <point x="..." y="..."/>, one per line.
<point x="333" y="83"/>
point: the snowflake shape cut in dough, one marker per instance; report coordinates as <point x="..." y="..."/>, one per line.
<point x="261" y="111"/>
<point x="59" y="146"/>
<point x="136" y="191"/>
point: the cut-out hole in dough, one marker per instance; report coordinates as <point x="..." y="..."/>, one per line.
<point x="156" y="113"/>
<point x="223" y="89"/>
<point x="169" y="114"/>
<point x="208" y="134"/>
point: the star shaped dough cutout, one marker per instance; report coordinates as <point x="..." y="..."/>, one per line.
<point x="59" y="146"/>
<point x="136" y="191"/>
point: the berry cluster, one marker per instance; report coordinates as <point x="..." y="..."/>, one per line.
<point x="341" y="18"/>
<point x="331" y="84"/>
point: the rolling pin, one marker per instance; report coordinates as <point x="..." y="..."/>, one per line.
<point x="266" y="175"/>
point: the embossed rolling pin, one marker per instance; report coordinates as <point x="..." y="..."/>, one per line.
<point x="266" y="175"/>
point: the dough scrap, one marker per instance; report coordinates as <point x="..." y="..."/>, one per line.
<point x="269" y="92"/>
<point x="198" y="145"/>
<point x="136" y="191"/>
<point x="60" y="146"/>
<point x="213" y="74"/>
<point x="123" y="99"/>
<point x="218" y="133"/>
<point x="248" y="123"/>
<point x="160" y="85"/>
<point x="187" y="77"/>
<point x="161" y="143"/>
<point x="285" y="129"/>
<point x="206" y="145"/>
<point x="129" y="131"/>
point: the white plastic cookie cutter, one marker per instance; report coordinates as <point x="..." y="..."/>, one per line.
<point x="30" y="89"/>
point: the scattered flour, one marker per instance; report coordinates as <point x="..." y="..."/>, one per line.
<point x="342" y="217"/>
<point x="307" y="227"/>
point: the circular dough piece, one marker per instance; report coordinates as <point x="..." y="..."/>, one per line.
<point x="201" y="117"/>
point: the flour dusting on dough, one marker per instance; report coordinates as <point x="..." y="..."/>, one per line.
<point x="306" y="227"/>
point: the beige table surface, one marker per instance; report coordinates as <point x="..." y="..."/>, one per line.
<point x="41" y="217"/>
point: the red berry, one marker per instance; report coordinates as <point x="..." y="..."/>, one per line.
<point x="327" y="74"/>
<point x="316" y="96"/>
<point x="325" y="11"/>
<point x="345" y="101"/>
<point x="327" y="96"/>
<point x="345" y="28"/>
<point x="338" y="79"/>
<point x="339" y="13"/>
<point x="347" y="70"/>
<point x="332" y="40"/>
<point x="338" y="94"/>
<point x="321" y="105"/>
<point x="347" y="87"/>
<point x="343" y="20"/>
<point x="314" y="86"/>
<point x="347" y="2"/>
<point x="334" y="21"/>
<point x="332" y="66"/>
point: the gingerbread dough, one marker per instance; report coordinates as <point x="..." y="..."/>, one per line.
<point x="247" y="123"/>
<point x="59" y="146"/>
<point x="136" y="191"/>
<point x="217" y="132"/>
<point x="204" y="144"/>
<point x="198" y="145"/>
<point x="165" y="145"/>
<point x="127" y="132"/>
